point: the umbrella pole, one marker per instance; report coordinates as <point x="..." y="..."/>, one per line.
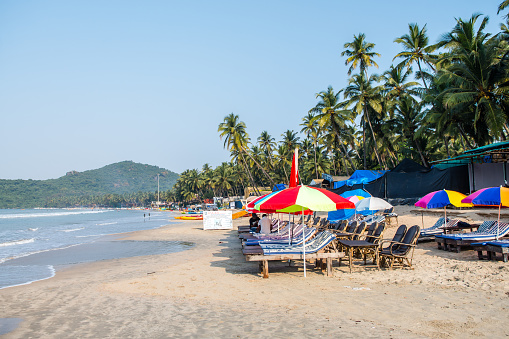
<point x="422" y="219"/>
<point x="498" y="221"/>
<point x="445" y="220"/>
<point x="304" y="246"/>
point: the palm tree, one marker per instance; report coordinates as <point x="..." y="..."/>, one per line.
<point x="330" y="111"/>
<point x="502" y="6"/>
<point x="267" y="144"/>
<point x="397" y="85"/>
<point x="310" y="128"/>
<point x="409" y="117"/>
<point x="236" y="138"/>
<point x="416" y="49"/>
<point x="359" y="54"/>
<point x="365" y="98"/>
<point x="477" y="78"/>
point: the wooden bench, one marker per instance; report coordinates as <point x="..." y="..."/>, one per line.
<point x="264" y="259"/>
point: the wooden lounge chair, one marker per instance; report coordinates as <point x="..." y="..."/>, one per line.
<point x="401" y="252"/>
<point x="492" y="248"/>
<point x="430" y="232"/>
<point x="316" y="248"/>
<point x="487" y="231"/>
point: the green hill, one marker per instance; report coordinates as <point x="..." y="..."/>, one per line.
<point x="119" y="178"/>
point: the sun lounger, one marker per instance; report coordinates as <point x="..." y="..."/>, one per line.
<point x="487" y="231"/>
<point x="297" y="239"/>
<point x="430" y="232"/>
<point x="401" y="252"/>
<point x="315" y="249"/>
<point x="491" y="248"/>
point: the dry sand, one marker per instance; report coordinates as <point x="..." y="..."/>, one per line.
<point x="210" y="291"/>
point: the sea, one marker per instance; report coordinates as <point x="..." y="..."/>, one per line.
<point x="35" y="243"/>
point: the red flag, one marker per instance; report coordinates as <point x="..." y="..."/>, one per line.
<point x="294" y="175"/>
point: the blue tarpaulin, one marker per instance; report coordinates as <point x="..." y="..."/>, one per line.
<point x="360" y="177"/>
<point x="279" y="187"/>
<point x="347" y="213"/>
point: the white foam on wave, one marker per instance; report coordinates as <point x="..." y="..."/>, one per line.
<point x="17" y="242"/>
<point x="107" y="223"/>
<point x="73" y="230"/>
<point x="33" y="229"/>
<point x="51" y="214"/>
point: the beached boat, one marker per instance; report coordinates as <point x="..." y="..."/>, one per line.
<point x="190" y="217"/>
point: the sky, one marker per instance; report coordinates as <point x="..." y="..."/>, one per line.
<point x="84" y="84"/>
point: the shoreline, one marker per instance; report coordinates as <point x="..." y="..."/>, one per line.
<point x="211" y="291"/>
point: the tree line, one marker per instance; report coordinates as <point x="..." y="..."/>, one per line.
<point x="435" y="101"/>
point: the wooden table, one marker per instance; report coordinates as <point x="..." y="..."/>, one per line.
<point x="359" y="244"/>
<point x="491" y="251"/>
<point x="264" y="259"/>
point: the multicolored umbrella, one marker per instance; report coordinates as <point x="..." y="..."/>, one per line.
<point x="442" y="198"/>
<point x="355" y="198"/>
<point x="491" y="196"/>
<point x="302" y="198"/>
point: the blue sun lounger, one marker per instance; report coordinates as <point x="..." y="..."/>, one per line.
<point x="487" y="231"/>
<point x="296" y="240"/>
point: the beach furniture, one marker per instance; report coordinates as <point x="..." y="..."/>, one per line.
<point x="308" y="233"/>
<point x="401" y="252"/>
<point x="390" y="215"/>
<point x="487" y="231"/>
<point x="318" y="248"/>
<point x="430" y="232"/>
<point x="290" y="231"/>
<point x="369" y="245"/>
<point x="492" y="248"/>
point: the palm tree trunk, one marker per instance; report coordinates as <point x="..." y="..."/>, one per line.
<point x="420" y="70"/>
<point x="249" y="173"/>
<point x="344" y="150"/>
<point x="364" y="142"/>
<point x="316" y="166"/>
<point x="374" y="138"/>
<point x="256" y="162"/>
<point x="462" y="132"/>
<point x="424" y="162"/>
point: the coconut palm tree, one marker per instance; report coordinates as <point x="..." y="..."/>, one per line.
<point x="311" y="129"/>
<point x="416" y="49"/>
<point x="477" y="78"/>
<point x="267" y="143"/>
<point x="331" y="112"/>
<point x="359" y="54"/>
<point x="364" y="98"/>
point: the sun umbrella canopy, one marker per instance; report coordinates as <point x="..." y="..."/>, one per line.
<point x="372" y="204"/>
<point x="491" y="196"/>
<point x="355" y="198"/>
<point x="298" y="198"/>
<point x="442" y="198"/>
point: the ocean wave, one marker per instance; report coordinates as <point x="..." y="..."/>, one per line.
<point x="3" y="260"/>
<point x="107" y="223"/>
<point x="17" y="242"/>
<point x="33" y="229"/>
<point x="51" y="214"/>
<point x="73" y="229"/>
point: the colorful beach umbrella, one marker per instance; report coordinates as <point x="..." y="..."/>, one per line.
<point x="355" y="198"/>
<point x="302" y="198"/>
<point x="442" y="198"/>
<point x="491" y="196"/>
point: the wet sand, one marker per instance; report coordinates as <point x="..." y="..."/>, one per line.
<point x="211" y="291"/>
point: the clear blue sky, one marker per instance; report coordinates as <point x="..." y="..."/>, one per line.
<point x="84" y="84"/>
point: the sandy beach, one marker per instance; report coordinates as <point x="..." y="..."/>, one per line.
<point x="210" y="291"/>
